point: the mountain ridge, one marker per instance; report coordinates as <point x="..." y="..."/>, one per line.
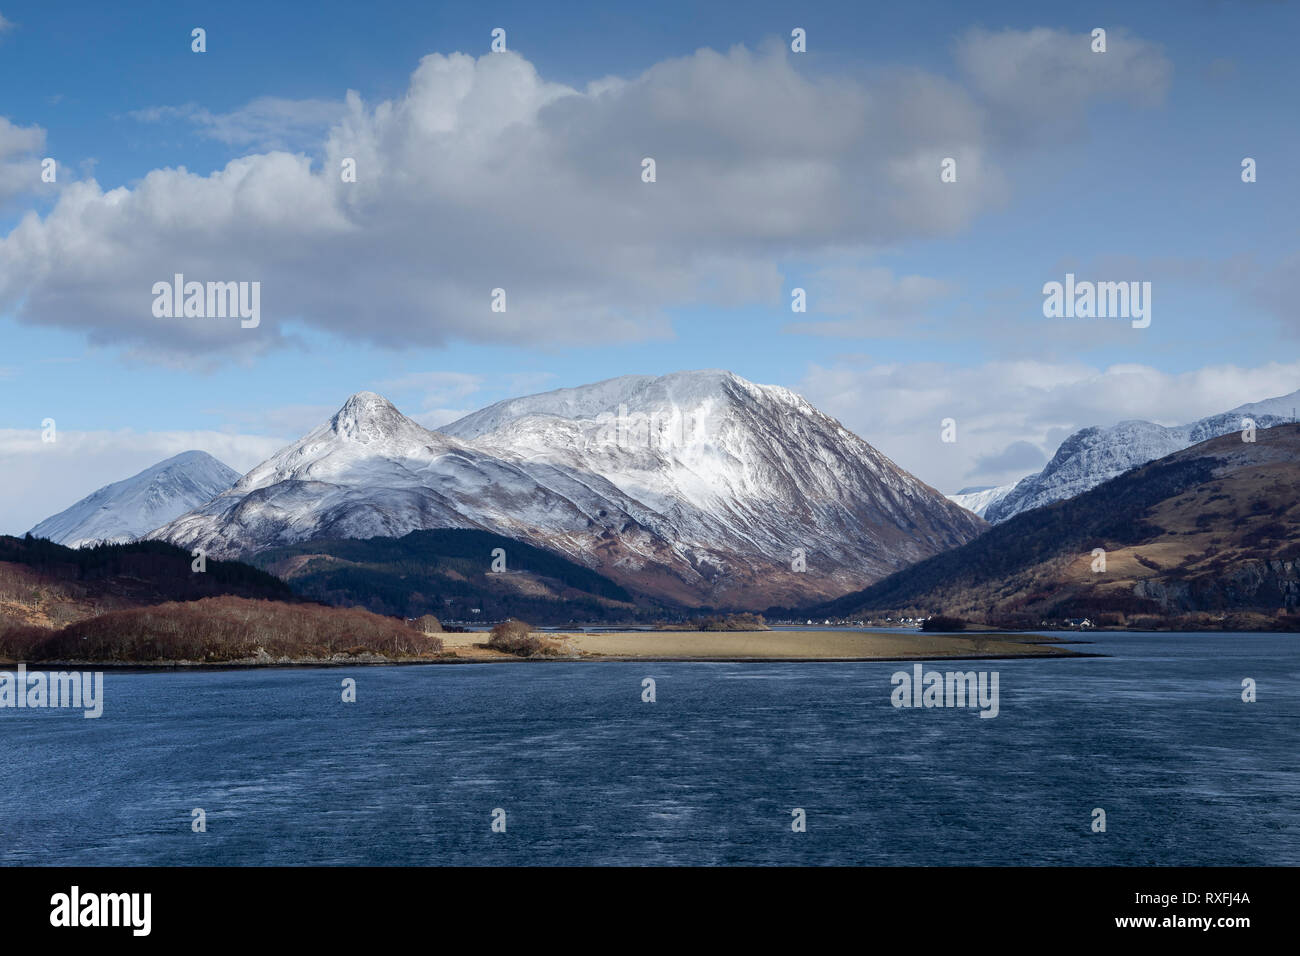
<point x="694" y="487"/>
<point x="1093" y="455"/>
<point x="1214" y="528"/>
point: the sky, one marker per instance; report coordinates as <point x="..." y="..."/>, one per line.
<point x="522" y="170"/>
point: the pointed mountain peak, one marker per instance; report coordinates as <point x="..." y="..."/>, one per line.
<point x="365" y="403"/>
<point x="368" y="415"/>
<point x="187" y="459"/>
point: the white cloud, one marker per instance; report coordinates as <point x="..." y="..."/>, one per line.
<point x="484" y="175"/>
<point x="1002" y="406"/>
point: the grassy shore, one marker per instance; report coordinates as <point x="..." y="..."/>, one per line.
<point x="861" y="645"/>
<point x="773" y="646"/>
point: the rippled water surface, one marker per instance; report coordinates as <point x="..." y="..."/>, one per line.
<point x="1155" y="733"/>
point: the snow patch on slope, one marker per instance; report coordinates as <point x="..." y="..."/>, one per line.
<point x="978" y="500"/>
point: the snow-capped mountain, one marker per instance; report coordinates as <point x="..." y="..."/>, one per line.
<point x="1095" y="455"/>
<point x="128" y="509"/>
<point x="699" y="487"/>
<point x="372" y="472"/>
<point x="727" y="467"/>
<point x="979" y="499"/>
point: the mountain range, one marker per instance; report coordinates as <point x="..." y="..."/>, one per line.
<point x="1092" y="456"/>
<point x="1210" y="531"/>
<point x="694" y="489"/>
<point x="698" y="488"/>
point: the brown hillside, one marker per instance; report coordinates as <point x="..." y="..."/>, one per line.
<point x="214" y="630"/>
<point x="1211" y="532"/>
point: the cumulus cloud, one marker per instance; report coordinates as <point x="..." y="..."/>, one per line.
<point x="483" y="175"/>
<point x="1012" y="415"/>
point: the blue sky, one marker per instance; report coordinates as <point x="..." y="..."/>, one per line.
<point x="1125" y="169"/>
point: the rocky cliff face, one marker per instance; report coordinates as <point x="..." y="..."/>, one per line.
<point x="1261" y="583"/>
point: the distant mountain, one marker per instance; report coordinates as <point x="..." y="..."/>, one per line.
<point x="448" y="573"/>
<point x="1094" y="455"/>
<point x="1212" y="529"/>
<point x="129" y="509"/>
<point x="697" y="488"/>
<point x="978" y="500"/>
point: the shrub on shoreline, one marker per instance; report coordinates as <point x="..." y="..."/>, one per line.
<point x="516" y="637"/>
<point x="427" y="624"/>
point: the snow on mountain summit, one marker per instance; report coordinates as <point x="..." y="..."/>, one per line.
<point x="734" y="461"/>
<point x="1095" y="455"/>
<point x="127" y="509"/>
<point x="367" y="416"/>
<point x="678" y="390"/>
<point x="367" y="426"/>
<point x="369" y="471"/>
<point x="695" y="486"/>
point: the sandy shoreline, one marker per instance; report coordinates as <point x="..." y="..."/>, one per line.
<point x="700" y="646"/>
<point x="775" y="646"/>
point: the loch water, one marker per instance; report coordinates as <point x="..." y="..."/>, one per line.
<point x="1154" y="732"/>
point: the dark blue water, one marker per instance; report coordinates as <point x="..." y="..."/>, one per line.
<point x="1156" y="734"/>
